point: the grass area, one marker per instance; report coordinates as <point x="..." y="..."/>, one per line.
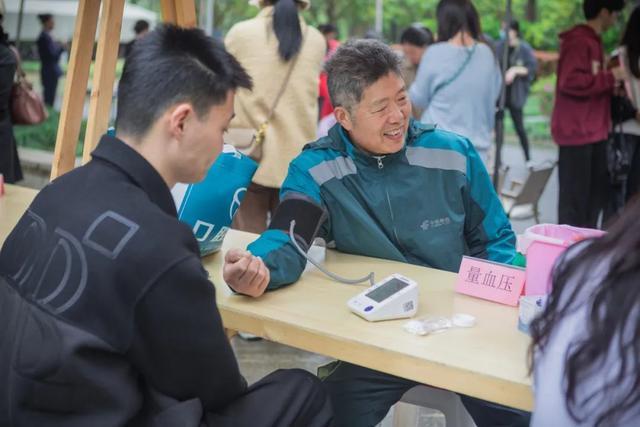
<point x="43" y="136"/>
<point x="33" y="67"/>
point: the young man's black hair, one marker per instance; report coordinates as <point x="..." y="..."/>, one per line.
<point x="174" y="64"/>
<point x="591" y="8"/>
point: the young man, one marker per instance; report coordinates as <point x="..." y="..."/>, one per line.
<point x="49" y="52"/>
<point x="581" y="122"/>
<point x="521" y="71"/>
<point x="108" y="316"/>
<point x="384" y="186"/>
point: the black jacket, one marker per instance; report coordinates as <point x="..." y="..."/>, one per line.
<point x="108" y="317"/>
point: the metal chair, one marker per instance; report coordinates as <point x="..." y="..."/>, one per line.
<point x="447" y="402"/>
<point x="515" y="193"/>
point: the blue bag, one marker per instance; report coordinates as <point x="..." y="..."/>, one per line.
<point x="208" y="207"/>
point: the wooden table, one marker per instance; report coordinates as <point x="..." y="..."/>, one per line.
<point x="12" y="205"/>
<point x="487" y="361"/>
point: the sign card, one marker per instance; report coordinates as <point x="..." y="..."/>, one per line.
<point x="490" y="280"/>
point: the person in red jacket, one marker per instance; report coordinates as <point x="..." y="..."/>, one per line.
<point x="581" y="121"/>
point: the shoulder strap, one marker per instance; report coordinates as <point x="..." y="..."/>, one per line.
<point x="286" y="78"/>
<point x="457" y="73"/>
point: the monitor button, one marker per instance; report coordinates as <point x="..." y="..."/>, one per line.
<point x="368" y="308"/>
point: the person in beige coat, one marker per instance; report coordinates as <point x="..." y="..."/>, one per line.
<point x="265" y="46"/>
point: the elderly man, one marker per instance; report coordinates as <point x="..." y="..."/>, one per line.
<point x="385" y="186"/>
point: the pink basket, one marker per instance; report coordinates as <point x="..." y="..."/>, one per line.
<point x="546" y="242"/>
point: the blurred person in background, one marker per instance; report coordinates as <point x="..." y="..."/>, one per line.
<point x="414" y="41"/>
<point x="629" y="53"/>
<point x="581" y="121"/>
<point x="265" y="46"/>
<point x="140" y="28"/>
<point x="458" y="80"/>
<point x="49" y="52"/>
<point x="521" y="71"/>
<point x="9" y="162"/>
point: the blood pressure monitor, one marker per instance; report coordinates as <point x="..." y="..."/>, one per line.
<point x="394" y="297"/>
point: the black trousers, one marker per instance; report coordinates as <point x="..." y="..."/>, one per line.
<point x="290" y="397"/>
<point x="518" y="123"/>
<point x="584" y="183"/>
<point x="633" y="181"/>
<point x="621" y="193"/>
<point x="50" y="86"/>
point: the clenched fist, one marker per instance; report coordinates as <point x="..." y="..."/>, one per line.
<point x="245" y="273"/>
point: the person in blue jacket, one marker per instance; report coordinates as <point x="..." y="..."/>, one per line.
<point x="382" y="185"/>
<point x="49" y="51"/>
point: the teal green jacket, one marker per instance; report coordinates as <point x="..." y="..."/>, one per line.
<point x="428" y="204"/>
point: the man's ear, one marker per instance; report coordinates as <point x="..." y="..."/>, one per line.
<point x="178" y="116"/>
<point x="344" y="118"/>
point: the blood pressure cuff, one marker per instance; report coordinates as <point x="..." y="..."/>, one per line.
<point x="308" y="215"/>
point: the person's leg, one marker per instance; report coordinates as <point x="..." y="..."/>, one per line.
<point x="290" y="397"/>
<point x="518" y="123"/>
<point x="599" y="187"/>
<point x="574" y="176"/>
<point x="488" y="414"/>
<point x="49" y="84"/>
<point x="252" y="214"/>
<point x="361" y="397"/>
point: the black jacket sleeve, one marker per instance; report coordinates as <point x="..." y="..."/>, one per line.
<point x="179" y="344"/>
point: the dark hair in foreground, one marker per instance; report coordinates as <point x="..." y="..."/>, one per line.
<point x="172" y="65"/>
<point x="631" y="40"/>
<point x="612" y="322"/>
<point x="417" y="36"/>
<point x="357" y="65"/>
<point x="591" y="8"/>
<point x="286" y="25"/>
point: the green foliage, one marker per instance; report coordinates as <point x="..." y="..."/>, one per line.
<point x="43" y="136"/>
<point x="356" y="17"/>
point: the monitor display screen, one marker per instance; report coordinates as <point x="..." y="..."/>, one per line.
<point x="385" y="291"/>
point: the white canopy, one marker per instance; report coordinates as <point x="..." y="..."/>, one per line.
<point x="64" y="12"/>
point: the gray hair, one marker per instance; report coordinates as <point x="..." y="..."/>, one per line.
<point x="357" y="65"/>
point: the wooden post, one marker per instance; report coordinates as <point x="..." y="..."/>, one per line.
<point x="104" y="73"/>
<point x="186" y="13"/>
<point x="169" y="14"/>
<point x="75" y="87"/>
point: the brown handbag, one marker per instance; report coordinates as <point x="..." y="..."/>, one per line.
<point x="249" y="140"/>
<point x="27" y="107"/>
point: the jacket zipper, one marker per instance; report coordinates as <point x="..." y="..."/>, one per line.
<point x="379" y="159"/>
<point x="386" y="191"/>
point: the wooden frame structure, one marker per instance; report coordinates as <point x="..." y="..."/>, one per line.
<point x="179" y="12"/>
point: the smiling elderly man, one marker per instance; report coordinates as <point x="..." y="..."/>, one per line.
<point x="386" y="186"/>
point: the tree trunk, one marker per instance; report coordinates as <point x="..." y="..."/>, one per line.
<point x="531" y="11"/>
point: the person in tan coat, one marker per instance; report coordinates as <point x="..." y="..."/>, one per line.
<point x="265" y="46"/>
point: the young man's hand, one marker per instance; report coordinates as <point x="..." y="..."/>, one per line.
<point x="245" y="273"/>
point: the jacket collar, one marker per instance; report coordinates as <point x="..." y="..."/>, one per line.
<point x="339" y="139"/>
<point x="117" y="153"/>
